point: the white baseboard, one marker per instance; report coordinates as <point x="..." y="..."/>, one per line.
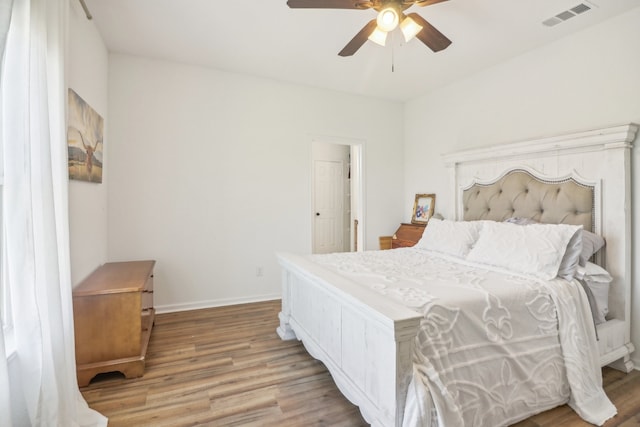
<point x="196" y="305"/>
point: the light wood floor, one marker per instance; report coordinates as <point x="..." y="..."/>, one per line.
<point x="227" y="367"/>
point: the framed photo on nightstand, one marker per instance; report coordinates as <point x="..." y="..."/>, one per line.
<point x="423" y="208"/>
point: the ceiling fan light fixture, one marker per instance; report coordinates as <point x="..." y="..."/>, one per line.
<point x="378" y="36"/>
<point x="388" y="19"/>
<point x="409" y="28"/>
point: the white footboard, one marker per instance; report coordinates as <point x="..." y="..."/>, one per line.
<point x="365" y="340"/>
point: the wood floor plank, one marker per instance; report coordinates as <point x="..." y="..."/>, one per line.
<point x="239" y="403"/>
<point x="154" y="412"/>
<point x="226" y="366"/>
<point x="256" y="418"/>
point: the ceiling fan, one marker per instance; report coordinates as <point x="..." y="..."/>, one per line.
<point x="390" y="15"/>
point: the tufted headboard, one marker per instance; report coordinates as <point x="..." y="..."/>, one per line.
<point x="577" y="178"/>
<point x="519" y="193"/>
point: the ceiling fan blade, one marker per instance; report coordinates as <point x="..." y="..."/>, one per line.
<point x="434" y="39"/>
<point x="359" y="39"/>
<point x="423" y="3"/>
<point x="329" y="4"/>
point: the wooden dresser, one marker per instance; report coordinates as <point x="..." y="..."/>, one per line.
<point x="406" y="235"/>
<point x="113" y="315"/>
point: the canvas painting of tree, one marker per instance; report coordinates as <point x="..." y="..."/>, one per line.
<point x="85" y="130"/>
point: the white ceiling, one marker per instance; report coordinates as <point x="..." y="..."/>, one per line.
<point x="266" y="38"/>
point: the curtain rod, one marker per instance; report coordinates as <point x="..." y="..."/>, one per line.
<point x="86" y="10"/>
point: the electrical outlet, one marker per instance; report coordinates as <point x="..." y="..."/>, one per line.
<point x="259" y="272"/>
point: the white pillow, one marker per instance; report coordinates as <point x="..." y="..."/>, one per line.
<point x="535" y="250"/>
<point x="572" y="256"/>
<point x="598" y="280"/>
<point x="593" y="272"/>
<point x="450" y="237"/>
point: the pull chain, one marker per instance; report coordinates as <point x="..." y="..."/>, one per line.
<point x="393" y="56"/>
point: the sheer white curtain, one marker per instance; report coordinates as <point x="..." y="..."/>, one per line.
<point x="35" y="204"/>
<point x="5" y="402"/>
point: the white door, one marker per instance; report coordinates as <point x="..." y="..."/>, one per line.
<point x="328" y="206"/>
<point x="337" y="195"/>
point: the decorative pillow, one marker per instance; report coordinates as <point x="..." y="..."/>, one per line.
<point x="598" y="280"/>
<point x="535" y="250"/>
<point x="450" y="237"/>
<point x="591" y="243"/>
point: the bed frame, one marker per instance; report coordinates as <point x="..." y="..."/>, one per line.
<point x="366" y="341"/>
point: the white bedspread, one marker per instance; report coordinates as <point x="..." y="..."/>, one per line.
<point x="493" y="348"/>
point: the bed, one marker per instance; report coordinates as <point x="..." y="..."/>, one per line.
<point x="367" y="325"/>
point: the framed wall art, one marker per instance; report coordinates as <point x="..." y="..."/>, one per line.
<point x="85" y="130"/>
<point x="423" y="208"/>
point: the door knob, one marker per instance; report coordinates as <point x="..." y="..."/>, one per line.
<point x="317" y="213"/>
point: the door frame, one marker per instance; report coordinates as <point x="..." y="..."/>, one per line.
<point x="357" y="150"/>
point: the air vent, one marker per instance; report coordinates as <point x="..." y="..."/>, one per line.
<point x="581" y="8"/>
<point x="552" y="21"/>
<point x="567" y="14"/>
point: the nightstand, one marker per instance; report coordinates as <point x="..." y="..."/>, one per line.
<point x="407" y="235"/>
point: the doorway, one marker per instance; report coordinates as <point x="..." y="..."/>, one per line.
<point x="337" y="224"/>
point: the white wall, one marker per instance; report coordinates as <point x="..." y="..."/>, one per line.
<point x="585" y="81"/>
<point x="210" y="174"/>
<point x="87" y="69"/>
